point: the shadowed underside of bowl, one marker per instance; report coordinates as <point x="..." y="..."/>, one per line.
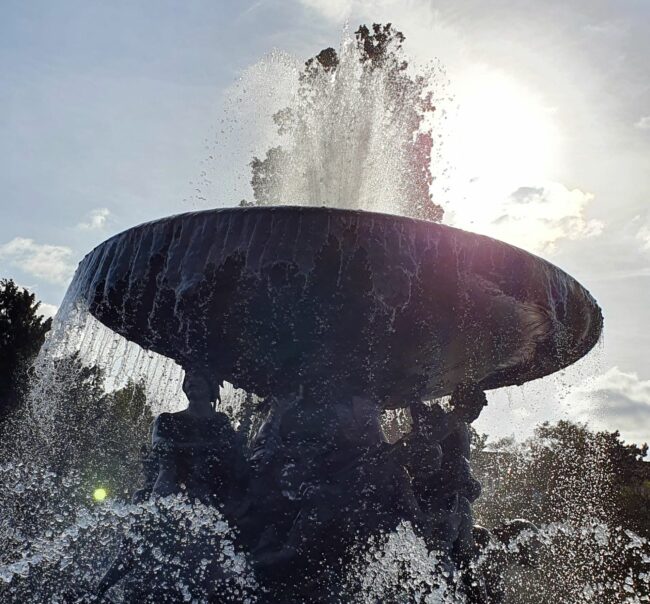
<point x="361" y="302"/>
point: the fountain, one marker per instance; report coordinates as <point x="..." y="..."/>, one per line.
<point x="326" y="321"/>
<point x="330" y="317"/>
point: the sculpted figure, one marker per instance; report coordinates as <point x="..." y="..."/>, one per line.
<point x="332" y="454"/>
<point x="198" y="450"/>
<point x="467" y="401"/>
<point x="195" y="452"/>
<point x="438" y="462"/>
<point x="264" y="499"/>
<point x="437" y="455"/>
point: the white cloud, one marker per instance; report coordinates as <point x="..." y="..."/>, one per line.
<point x="339" y="10"/>
<point x="52" y="263"/>
<point x="643" y="235"/>
<point x="615" y="400"/>
<point x="538" y="217"/>
<point x="96" y="219"/>
<point x="334" y="10"/>
<point x="643" y="123"/>
<point x="48" y="310"/>
<point x="604" y="28"/>
<point x="535" y="218"/>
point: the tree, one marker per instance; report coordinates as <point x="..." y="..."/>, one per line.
<point x="91" y="438"/>
<point x="22" y="332"/>
<point x="565" y="471"/>
<point x="95" y="434"/>
<point x="591" y="490"/>
<point x="68" y="438"/>
<point x="630" y="483"/>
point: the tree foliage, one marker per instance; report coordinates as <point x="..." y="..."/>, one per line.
<point x="592" y="492"/>
<point x="22" y="332"/>
<point x="64" y="438"/>
<point x="566" y="472"/>
<point x="86" y="437"/>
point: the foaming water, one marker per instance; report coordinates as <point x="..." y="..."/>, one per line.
<point x="399" y="567"/>
<point x="188" y="546"/>
<point x="561" y="562"/>
<point x="193" y="548"/>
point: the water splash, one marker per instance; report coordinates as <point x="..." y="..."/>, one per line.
<point x="399" y="567"/>
<point x="588" y="563"/>
<point x="64" y="562"/>
<point x="356" y="128"/>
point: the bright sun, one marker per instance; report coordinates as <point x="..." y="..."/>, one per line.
<point x="502" y="137"/>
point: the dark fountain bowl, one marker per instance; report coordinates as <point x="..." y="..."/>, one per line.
<point x="271" y="297"/>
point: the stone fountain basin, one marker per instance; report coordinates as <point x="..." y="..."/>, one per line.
<point x="268" y="297"/>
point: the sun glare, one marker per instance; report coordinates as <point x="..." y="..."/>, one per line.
<point x="502" y="137"/>
<point x="100" y="494"/>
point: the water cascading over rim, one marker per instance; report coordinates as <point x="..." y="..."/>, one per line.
<point x="384" y="305"/>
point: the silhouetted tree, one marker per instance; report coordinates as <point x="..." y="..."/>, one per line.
<point x="71" y="435"/>
<point x="22" y="332"/>
<point x="89" y="437"/>
<point x="85" y="439"/>
<point x="630" y="483"/>
<point x="583" y="480"/>
<point x="565" y="471"/>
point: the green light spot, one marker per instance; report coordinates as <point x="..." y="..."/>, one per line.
<point x="99" y="494"/>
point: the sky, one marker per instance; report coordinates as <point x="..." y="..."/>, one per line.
<point x="109" y="112"/>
